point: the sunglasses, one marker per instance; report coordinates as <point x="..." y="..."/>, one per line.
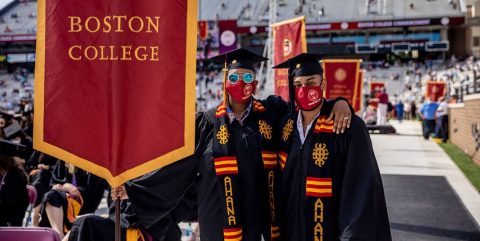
<point x="246" y="77"/>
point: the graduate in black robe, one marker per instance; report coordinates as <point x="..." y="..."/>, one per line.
<point x="233" y="167"/>
<point x="13" y="185"/>
<point x="331" y="186"/>
<point x="39" y="166"/>
<point x="71" y="186"/>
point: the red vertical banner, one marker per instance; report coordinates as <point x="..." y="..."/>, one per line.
<point x="100" y="67"/>
<point x="375" y="88"/>
<point x="357" y="105"/>
<point x="289" y="40"/>
<point x="342" y="76"/>
<point x="203" y="30"/>
<point x="435" y="89"/>
<point x="227" y="35"/>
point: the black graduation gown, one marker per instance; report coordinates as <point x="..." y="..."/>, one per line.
<point x="90" y="187"/>
<point x="161" y="191"/>
<point x="40" y="179"/>
<point x="331" y="186"/>
<point x="13" y="198"/>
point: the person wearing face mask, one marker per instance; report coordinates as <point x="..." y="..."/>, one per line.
<point x="232" y="170"/>
<point x="331" y="187"/>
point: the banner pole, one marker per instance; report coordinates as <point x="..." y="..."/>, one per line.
<point x="117" y="219"/>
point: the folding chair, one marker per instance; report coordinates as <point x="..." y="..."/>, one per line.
<point x="32" y="197"/>
<point x="28" y="234"/>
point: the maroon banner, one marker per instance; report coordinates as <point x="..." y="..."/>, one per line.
<point x="435" y="89"/>
<point x="289" y="40"/>
<point x="342" y="76"/>
<point x="203" y="30"/>
<point x="115" y="84"/>
<point x="227" y="35"/>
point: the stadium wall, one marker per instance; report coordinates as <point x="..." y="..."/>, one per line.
<point x="464" y="126"/>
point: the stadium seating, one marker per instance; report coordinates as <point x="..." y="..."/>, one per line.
<point x="19" y="19"/>
<point x="257" y="11"/>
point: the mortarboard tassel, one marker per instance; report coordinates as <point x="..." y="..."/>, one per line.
<point x="225" y="71"/>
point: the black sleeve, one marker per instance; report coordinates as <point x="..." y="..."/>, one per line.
<point x="277" y="105"/>
<point x="363" y="212"/>
<point x="156" y="194"/>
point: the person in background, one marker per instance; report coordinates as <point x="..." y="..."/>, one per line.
<point x="382" y="108"/>
<point x="75" y="192"/>
<point x="413" y="109"/>
<point x="399" y="107"/>
<point x="427" y="115"/>
<point x="407" y="111"/>
<point x="442" y="118"/>
<point x="13" y="185"/>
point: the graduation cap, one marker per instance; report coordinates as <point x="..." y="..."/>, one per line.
<point x="12" y="130"/>
<point x="304" y="64"/>
<point x="6" y="115"/>
<point x="239" y="59"/>
<point x="236" y="59"/>
<point x="9" y="148"/>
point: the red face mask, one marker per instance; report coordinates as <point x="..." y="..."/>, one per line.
<point x="240" y="91"/>
<point x="308" y="97"/>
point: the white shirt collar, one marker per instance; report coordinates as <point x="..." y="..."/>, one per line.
<point x="303" y="135"/>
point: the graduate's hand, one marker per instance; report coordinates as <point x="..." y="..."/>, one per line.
<point x="343" y="116"/>
<point x="43" y="167"/>
<point x="119" y="192"/>
<point x="71" y="189"/>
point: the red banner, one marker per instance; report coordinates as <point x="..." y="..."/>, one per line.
<point x="115" y="84"/>
<point x="289" y="40"/>
<point x="203" y="30"/>
<point x="342" y="76"/>
<point x="375" y="88"/>
<point x="435" y="89"/>
<point x="227" y="35"/>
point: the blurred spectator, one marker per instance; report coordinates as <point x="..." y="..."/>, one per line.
<point x="382" y="108"/>
<point x="399" y="108"/>
<point x="442" y="118"/>
<point x="427" y="115"/>
<point x="13" y="186"/>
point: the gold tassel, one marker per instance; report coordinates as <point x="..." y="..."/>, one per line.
<point x="225" y="72"/>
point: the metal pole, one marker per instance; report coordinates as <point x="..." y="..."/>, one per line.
<point x="117" y="219"/>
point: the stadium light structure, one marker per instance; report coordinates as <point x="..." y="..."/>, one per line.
<point x="437" y="46"/>
<point x="366" y="48"/>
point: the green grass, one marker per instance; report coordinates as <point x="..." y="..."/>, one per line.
<point x="464" y="162"/>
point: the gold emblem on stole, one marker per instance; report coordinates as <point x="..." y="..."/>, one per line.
<point x="223" y="135"/>
<point x="287" y="130"/>
<point x="265" y="129"/>
<point x="320" y="154"/>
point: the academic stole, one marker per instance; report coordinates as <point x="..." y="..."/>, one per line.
<point x="318" y="181"/>
<point x="226" y="168"/>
